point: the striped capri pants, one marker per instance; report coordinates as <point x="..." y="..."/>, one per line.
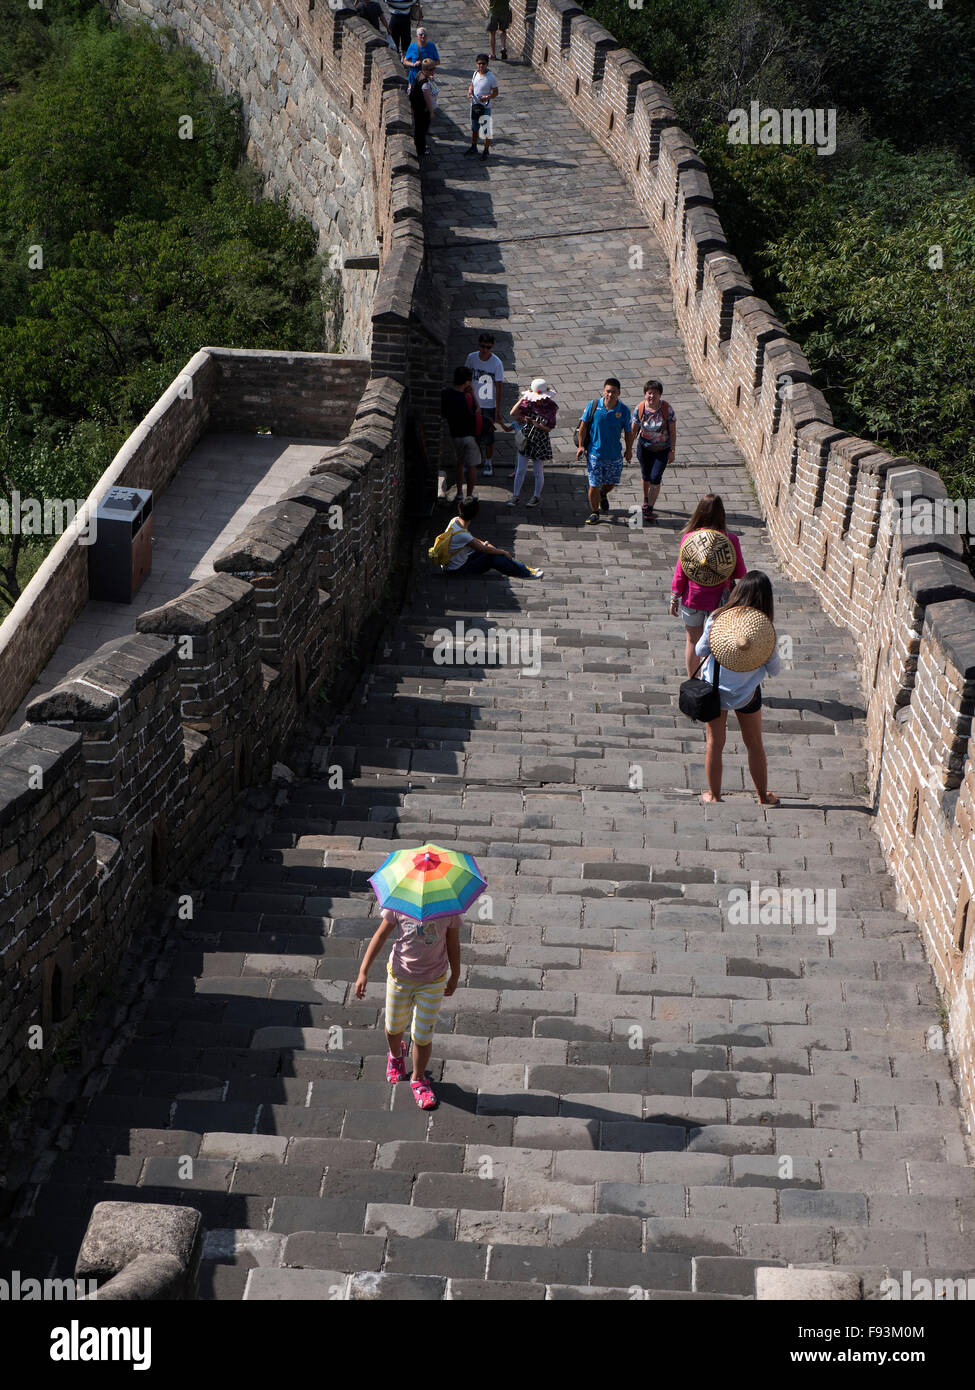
<point x="417" y="998"/>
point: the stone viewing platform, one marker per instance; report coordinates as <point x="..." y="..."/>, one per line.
<point x="649" y="1086"/>
<point x="226" y="480"/>
<point x="208" y="482"/>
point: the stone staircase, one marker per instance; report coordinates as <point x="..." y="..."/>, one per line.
<point x="639" y="1097"/>
<point x="644" y="1092"/>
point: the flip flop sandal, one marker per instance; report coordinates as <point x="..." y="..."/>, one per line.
<point x="422" y="1094"/>
<point x="396" y="1066"/>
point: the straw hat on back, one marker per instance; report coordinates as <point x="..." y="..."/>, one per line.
<point x="707" y="557"/>
<point x="742" y="639"/>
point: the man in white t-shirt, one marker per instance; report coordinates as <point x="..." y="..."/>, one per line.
<point x="482" y="91"/>
<point x="488" y="374"/>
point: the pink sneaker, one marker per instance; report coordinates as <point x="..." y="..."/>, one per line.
<point x="396" y="1066"/>
<point x="422" y="1094"/>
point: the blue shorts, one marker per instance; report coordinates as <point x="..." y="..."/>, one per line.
<point x="652" y="462"/>
<point x="604" y="472"/>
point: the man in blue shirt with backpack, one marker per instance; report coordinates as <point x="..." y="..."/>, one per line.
<point x="604" y="437"/>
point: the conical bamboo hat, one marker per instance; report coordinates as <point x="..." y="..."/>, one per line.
<point x="707" y="557"/>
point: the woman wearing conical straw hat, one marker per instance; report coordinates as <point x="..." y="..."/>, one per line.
<point x="740" y="636"/>
<point x="709" y="563"/>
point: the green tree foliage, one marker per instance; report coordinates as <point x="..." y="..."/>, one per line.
<point x="842" y="246"/>
<point x="124" y="246"/>
<point x="24" y="41"/>
<point x="666" y="34"/>
<point x="104" y="334"/>
<point x="748" y="53"/>
<point x="908" y="68"/>
<point x="886" y="308"/>
<point x="94" y="136"/>
<point x="761" y="192"/>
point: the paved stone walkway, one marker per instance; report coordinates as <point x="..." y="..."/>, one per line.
<point x="636" y="1089"/>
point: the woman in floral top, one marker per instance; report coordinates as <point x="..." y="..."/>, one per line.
<point x="536" y="413"/>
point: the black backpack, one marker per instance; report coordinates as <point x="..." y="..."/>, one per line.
<point x="586" y="424"/>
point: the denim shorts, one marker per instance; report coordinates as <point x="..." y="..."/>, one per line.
<point x="694" y="617"/>
<point x="653" y="462"/>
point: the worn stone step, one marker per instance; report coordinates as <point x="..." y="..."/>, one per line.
<point x="263" y="1285"/>
<point x="728" y="1274"/>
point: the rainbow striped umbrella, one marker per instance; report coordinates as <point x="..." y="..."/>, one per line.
<point x="428" y="882"/>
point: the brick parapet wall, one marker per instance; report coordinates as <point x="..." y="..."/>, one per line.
<point x="299" y="393"/>
<point x="47" y="877"/>
<point x="145" y="744"/>
<point x="908" y="602"/>
<point x="214" y="628"/>
<point x="124" y="701"/>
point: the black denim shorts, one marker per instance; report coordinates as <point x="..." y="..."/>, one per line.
<point x="754" y="704"/>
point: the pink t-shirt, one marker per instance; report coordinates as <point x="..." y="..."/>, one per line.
<point x="420" y="948"/>
<point x="705" y="597"/>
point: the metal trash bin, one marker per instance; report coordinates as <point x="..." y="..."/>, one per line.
<point x="121" y="555"/>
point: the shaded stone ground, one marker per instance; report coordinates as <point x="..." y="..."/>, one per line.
<point x="635" y="1089"/>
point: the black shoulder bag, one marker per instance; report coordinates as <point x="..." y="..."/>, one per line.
<point x="700" y="699"/>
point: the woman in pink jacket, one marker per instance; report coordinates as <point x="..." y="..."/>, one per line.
<point x="697" y="601"/>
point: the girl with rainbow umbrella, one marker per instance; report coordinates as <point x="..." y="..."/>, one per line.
<point x="422" y="893"/>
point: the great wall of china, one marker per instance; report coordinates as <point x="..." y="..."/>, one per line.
<point x="123" y="771"/>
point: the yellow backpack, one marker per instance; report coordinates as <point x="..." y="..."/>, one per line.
<point x="439" y="552"/>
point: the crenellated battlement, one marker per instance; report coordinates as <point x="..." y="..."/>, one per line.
<point x="909" y="602"/>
